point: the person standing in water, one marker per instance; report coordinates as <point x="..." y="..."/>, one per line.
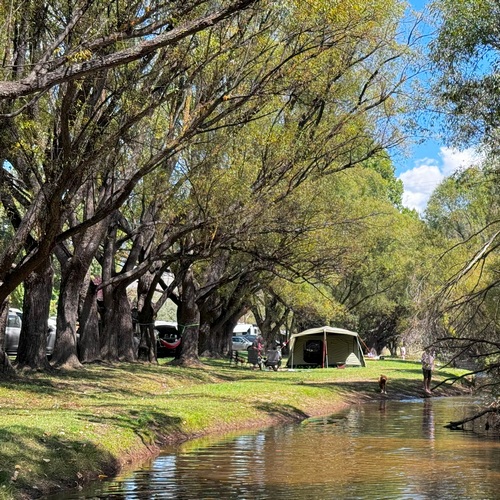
<point x="428" y="358"/>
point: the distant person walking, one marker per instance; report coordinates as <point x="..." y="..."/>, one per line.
<point x="403" y="352"/>
<point x="428" y="358"/>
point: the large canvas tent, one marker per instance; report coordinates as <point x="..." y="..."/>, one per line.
<point x="325" y="346"/>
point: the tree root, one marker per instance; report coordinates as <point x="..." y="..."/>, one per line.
<point x="458" y="425"/>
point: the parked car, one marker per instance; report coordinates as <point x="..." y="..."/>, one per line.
<point x="168" y="339"/>
<point x="251" y="338"/>
<point x="240" y="344"/>
<point x="17" y="311"/>
<point x="13" y="331"/>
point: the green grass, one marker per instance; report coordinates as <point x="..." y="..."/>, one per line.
<point x="61" y="429"/>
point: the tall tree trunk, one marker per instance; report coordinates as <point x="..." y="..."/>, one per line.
<point x="117" y="342"/>
<point x="74" y="292"/>
<point x="6" y="369"/>
<point x="123" y="319"/>
<point x="206" y="346"/>
<point x="147" y="343"/>
<point x="65" y="350"/>
<point x="89" y="344"/>
<point x="109" y="339"/>
<point x="146" y="316"/>
<point x="211" y="306"/>
<point x="188" y="319"/>
<point x="222" y="311"/>
<point x="213" y="343"/>
<point x="32" y="349"/>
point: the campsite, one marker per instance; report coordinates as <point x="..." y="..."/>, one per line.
<point x="207" y="163"/>
<point x="325" y="347"/>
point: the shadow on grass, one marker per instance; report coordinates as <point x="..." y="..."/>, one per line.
<point x="51" y="459"/>
<point x="96" y="381"/>
<point x="51" y="383"/>
<point x="282" y="412"/>
<point x="102" y="378"/>
<point x="55" y="461"/>
<point x="152" y="427"/>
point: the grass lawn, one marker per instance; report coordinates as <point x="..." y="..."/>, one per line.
<point x="59" y="430"/>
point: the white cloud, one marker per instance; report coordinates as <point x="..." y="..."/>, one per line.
<point x="420" y="181"/>
<point x="454" y="160"/>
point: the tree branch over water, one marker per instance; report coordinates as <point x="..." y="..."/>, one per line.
<point x="459" y="424"/>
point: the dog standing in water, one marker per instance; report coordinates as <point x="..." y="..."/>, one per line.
<point x="382" y="383"/>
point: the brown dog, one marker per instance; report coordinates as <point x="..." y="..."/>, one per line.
<point x="382" y="383"/>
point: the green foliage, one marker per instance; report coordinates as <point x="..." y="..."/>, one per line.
<point x="462" y="204"/>
<point x="463" y="211"/>
<point x="251" y="150"/>
<point x="465" y="52"/>
<point x="366" y="254"/>
<point x="382" y="164"/>
<point x="463" y="214"/>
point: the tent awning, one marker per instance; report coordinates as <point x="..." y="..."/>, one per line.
<point x="324" y="329"/>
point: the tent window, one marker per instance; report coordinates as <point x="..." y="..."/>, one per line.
<point x="313" y="352"/>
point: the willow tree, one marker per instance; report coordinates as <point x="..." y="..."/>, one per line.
<point x="87" y="160"/>
<point x="330" y="113"/>
<point x="320" y="81"/>
<point x="122" y="32"/>
<point x="465" y="54"/>
<point x="359" y="262"/>
<point x="464" y="211"/>
<point x="323" y="114"/>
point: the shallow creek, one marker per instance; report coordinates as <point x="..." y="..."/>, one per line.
<point x="384" y="450"/>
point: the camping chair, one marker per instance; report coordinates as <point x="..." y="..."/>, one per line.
<point x="273" y="359"/>
<point x="254" y="357"/>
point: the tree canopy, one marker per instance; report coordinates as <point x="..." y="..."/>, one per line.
<point x="232" y="156"/>
<point x="465" y="54"/>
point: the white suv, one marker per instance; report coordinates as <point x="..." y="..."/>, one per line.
<point x="240" y="343"/>
<point x="13" y="331"/>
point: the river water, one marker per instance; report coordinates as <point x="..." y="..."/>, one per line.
<point x="383" y="450"/>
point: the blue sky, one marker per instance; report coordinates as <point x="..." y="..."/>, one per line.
<point x="428" y="162"/>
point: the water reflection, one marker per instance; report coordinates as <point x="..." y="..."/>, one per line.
<point x="390" y="450"/>
<point x="428" y="419"/>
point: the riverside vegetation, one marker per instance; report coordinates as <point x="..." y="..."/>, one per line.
<point x="62" y="429"/>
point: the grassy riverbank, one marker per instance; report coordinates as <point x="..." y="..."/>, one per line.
<point x="60" y="430"/>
